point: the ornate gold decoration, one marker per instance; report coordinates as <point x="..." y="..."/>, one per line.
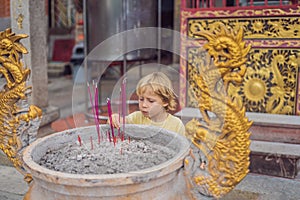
<point x="20" y="21"/>
<point x="254" y="28"/>
<point x="264" y="29"/>
<point x="15" y="113"/>
<point x="270" y="84"/>
<point x="264" y="89"/>
<point x="265" y="12"/>
<point x="222" y="137"/>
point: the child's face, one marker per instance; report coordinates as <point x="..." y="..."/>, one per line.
<point x="151" y="105"/>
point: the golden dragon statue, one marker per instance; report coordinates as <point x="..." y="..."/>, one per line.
<point x="219" y="159"/>
<point x="19" y="121"/>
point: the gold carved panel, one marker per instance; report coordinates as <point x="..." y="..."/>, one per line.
<point x="270" y="83"/>
<point x="254" y="28"/>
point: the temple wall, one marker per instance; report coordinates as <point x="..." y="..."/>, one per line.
<point x="271" y="84"/>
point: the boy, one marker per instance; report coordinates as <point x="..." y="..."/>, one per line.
<point x="156" y="98"/>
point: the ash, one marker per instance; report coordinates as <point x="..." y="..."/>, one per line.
<point x="105" y="158"/>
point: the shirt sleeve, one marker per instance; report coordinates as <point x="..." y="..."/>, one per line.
<point x="175" y="124"/>
<point x="180" y="128"/>
<point x="133" y="118"/>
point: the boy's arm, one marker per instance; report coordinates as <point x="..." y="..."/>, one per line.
<point x="116" y="118"/>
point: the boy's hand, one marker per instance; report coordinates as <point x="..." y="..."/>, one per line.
<point x="115" y="121"/>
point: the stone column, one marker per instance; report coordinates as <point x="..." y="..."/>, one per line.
<point x="29" y="17"/>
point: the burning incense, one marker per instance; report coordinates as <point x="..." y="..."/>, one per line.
<point x="94" y="108"/>
<point x="79" y="140"/>
<point x="97" y="112"/>
<point x="123" y="96"/>
<point x="84" y="146"/>
<point x="119" y="112"/>
<point x="110" y="117"/>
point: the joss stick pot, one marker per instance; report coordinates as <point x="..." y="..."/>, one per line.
<point x="158" y="180"/>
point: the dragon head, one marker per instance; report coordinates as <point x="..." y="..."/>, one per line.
<point x="226" y="46"/>
<point x="229" y="53"/>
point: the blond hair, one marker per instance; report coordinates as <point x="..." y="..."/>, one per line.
<point x="161" y="86"/>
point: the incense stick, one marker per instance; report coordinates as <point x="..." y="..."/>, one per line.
<point x="97" y="112"/>
<point x="93" y="108"/>
<point x="110" y="118"/>
<point x="123" y="94"/>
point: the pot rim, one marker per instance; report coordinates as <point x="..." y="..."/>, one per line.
<point x="45" y="174"/>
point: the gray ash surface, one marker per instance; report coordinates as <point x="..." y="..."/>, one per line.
<point x="105" y="158"/>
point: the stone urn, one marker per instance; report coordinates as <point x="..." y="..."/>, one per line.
<point x="163" y="181"/>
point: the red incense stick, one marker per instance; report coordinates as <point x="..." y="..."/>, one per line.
<point x="110" y="118"/>
<point x="119" y="112"/>
<point x="79" y="140"/>
<point x="93" y="108"/>
<point x="97" y="112"/>
<point x="123" y="94"/>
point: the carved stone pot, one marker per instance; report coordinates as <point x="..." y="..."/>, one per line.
<point x="163" y="181"/>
